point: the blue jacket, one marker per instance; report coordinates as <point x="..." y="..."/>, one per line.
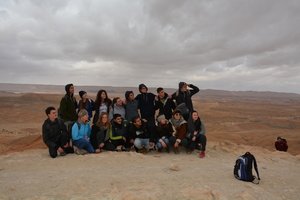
<point x="81" y="132"/>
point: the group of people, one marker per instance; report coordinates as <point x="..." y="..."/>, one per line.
<point x="142" y="123"/>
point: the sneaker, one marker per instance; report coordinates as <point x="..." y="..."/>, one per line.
<point x="202" y="154"/>
<point x="62" y="153"/>
<point x="80" y="151"/>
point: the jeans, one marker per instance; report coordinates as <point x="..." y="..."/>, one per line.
<point x="159" y="145"/>
<point x="84" y="144"/>
<point x="140" y="143"/>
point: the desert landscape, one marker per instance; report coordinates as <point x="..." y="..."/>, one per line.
<point x="236" y="122"/>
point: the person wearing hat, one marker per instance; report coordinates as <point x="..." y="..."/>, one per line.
<point x="179" y="130"/>
<point x="86" y="103"/>
<point x="147" y="108"/>
<point x="163" y="132"/>
<point x="81" y="132"/>
<point x="183" y="98"/>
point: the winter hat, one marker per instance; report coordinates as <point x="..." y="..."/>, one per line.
<point x="161" y="117"/>
<point x="181" y="84"/>
<point x="127" y="93"/>
<point x="67" y="87"/>
<point x="81" y="93"/>
<point x="141" y="86"/>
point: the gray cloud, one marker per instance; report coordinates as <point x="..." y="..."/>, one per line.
<point x="214" y="44"/>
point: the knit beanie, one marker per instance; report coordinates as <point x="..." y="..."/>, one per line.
<point x="81" y="93"/>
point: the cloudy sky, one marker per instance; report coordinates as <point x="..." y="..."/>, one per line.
<point x="214" y="44"/>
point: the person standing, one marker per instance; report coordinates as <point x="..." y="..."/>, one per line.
<point x="102" y="104"/>
<point x="131" y="106"/>
<point x="165" y="105"/>
<point x="147" y="108"/>
<point x="86" y="103"/>
<point x="183" y="98"/>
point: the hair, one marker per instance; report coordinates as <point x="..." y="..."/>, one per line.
<point x="127" y="93"/>
<point x="100" y="123"/>
<point x="115" y="100"/>
<point x="158" y="90"/>
<point x="48" y="110"/>
<point x="98" y="100"/>
<point x="82" y="113"/>
<point x="135" y="118"/>
<point x="176" y="111"/>
<point x="116" y="116"/>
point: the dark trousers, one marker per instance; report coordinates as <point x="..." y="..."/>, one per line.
<point x="61" y="141"/>
<point x="116" y="143"/>
<point x="199" y="143"/>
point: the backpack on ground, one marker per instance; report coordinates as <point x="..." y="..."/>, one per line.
<point x="281" y="144"/>
<point x="243" y="168"/>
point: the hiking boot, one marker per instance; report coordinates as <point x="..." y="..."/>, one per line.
<point x="202" y="154"/>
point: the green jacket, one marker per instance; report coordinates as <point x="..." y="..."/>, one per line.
<point x="67" y="108"/>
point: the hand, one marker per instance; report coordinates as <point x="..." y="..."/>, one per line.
<point x="101" y="145"/>
<point x="60" y="150"/>
<point x="194" y="139"/>
<point x="176" y="144"/>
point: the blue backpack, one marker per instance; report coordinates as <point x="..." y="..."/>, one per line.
<point x="243" y="168"/>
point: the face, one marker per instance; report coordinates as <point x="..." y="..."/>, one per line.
<point x="184" y="88"/>
<point x="71" y="90"/>
<point x="84" y="118"/>
<point x="52" y="115"/>
<point x="119" y="102"/>
<point x="161" y="94"/>
<point x="138" y="122"/>
<point x="103" y="95"/>
<point x="84" y="96"/>
<point x="143" y="90"/>
<point x="118" y="120"/>
<point x="131" y="96"/>
<point x="163" y="121"/>
<point x="104" y="119"/>
<point x="195" y="116"/>
<point x="177" y="116"/>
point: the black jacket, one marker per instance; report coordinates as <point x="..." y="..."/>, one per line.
<point x="165" y="106"/>
<point x="141" y="132"/>
<point x="146" y="104"/>
<point x="52" y="132"/>
<point x="164" y="131"/>
<point x="185" y="97"/>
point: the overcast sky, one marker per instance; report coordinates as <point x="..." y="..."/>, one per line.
<point x="214" y="44"/>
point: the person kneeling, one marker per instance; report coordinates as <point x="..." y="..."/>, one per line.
<point x="55" y="134"/>
<point x="81" y="132"/>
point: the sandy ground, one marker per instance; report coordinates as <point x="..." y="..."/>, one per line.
<point x="234" y="125"/>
